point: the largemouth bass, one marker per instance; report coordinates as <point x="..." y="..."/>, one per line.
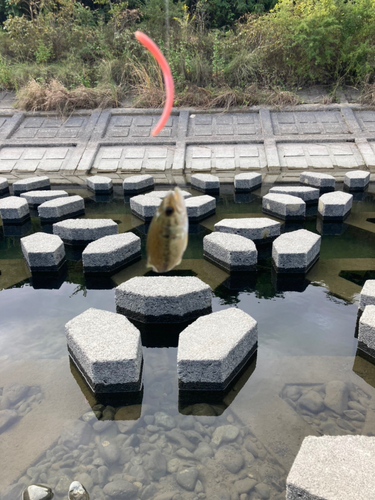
<point x="168" y="233"/>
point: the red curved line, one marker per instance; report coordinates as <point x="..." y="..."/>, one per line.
<point x="168" y="79"/>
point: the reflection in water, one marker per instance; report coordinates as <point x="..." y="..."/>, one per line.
<point x="49" y="280"/>
<point x="289" y="282"/>
<point x="17" y="230"/>
<point x="330" y="228"/>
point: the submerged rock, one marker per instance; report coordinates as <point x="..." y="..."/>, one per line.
<point x="77" y="492"/>
<point x="37" y="492"/>
<point x="7" y="418"/>
<point x="187" y="478"/>
<point x="336" y="397"/>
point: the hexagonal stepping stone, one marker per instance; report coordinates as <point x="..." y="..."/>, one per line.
<point x="111" y="253"/>
<point x="296" y="252"/>
<point x="4" y="186"/>
<point x="61" y="208"/>
<point x="324" y="182"/>
<point x="163" y="299"/>
<point x="31" y="184"/>
<point x="106" y="348"/>
<point x="357" y="180"/>
<point x="230" y="251"/>
<point x="200" y="207"/>
<point x="212" y="350"/>
<point x="308" y="194"/>
<point x="284" y="206"/>
<point x="138" y="184"/>
<point x="366" y="333"/>
<point x="84" y="231"/>
<point x="99" y="184"/>
<point x="36" y="198"/>
<point x="144" y="206"/>
<point x="205" y="182"/>
<point x="367" y="296"/>
<point x="260" y="230"/>
<point x="43" y="252"/>
<point x="14" y="210"/>
<point x="247" y="182"/>
<point x="335" y="206"/>
<point x="333" y="468"/>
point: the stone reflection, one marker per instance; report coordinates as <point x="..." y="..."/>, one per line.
<point x="292" y="282"/>
<point x="330" y="228"/>
<point x="17" y="230"/>
<point x="50" y="280"/>
<point x="244" y="197"/>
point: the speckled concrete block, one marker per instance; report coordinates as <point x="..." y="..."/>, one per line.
<point x="324" y="182"/>
<point x="36" y="198"/>
<point x="163" y="299"/>
<point x="43" y="252"/>
<point x="111" y="253"/>
<point x="84" y="231"/>
<point x="31" y="184"/>
<point x="308" y="194"/>
<point x="14" y="210"/>
<point x="247" y="182"/>
<point x="213" y="349"/>
<point x="357" y="180"/>
<point x="296" y="252"/>
<point x="260" y="230"/>
<point x="61" y="208"/>
<point x="230" y="251"/>
<point x="284" y="206"/>
<point x="367" y="296"/>
<point x="366" y="333"/>
<point x="4" y="186"/>
<point x="335" y="206"/>
<point x="333" y="468"/>
<point x="106" y="348"/>
<point x="205" y="183"/>
<point x="138" y="184"/>
<point x="99" y="184"/>
<point x="200" y="207"/>
<point x="144" y="206"/>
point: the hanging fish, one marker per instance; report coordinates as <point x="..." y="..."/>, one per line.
<point x="168" y="233"/>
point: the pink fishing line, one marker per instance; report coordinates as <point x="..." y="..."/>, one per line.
<point x="168" y="79"/>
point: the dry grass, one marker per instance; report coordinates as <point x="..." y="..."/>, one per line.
<point x="368" y="94"/>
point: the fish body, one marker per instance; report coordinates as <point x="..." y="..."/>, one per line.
<point x="168" y="233"/>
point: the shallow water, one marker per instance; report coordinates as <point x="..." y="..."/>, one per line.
<point x="239" y="447"/>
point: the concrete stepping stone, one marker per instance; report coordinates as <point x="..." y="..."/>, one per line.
<point x="99" y="184"/>
<point x="230" y="251"/>
<point x="247" y="182"/>
<point x="284" y="206"/>
<point x="138" y="184"/>
<point x="163" y="299"/>
<point x="205" y="182"/>
<point x="295" y="252"/>
<point x="200" y="207"/>
<point x="260" y="230"/>
<point x="333" y="468"/>
<point x="324" y="182"/>
<point x="366" y="333"/>
<point x="14" y="210"/>
<point x="43" y="252"/>
<point x="84" y="231"/>
<point x="106" y="348"/>
<point x="212" y="350"/>
<point x="4" y="186"/>
<point x="144" y="206"/>
<point x="308" y="194"/>
<point x="335" y="206"/>
<point x="36" y="198"/>
<point x="357" y="180"/>
<point x="111" y="253"/>
<point x="61" y="208"/>
<point x="367" y="295"/>
<point x="31" y="184"/>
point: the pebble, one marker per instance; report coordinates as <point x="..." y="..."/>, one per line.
<point x="251" y="447"/>
<point x="101" y="425"/>
<point x="336" y="397"/>
<point x="245" y="485"/>
<point x="156" y="465"/>
<point x="187" y="478"/>
<point x="203" y="450"/>
<point x="354" y="405"/>
<point x="75" y="433"/>
<point x="109" y="452"/>
<point x="344" y="424"/>
<point x="184" y="453"/>
<point x="263" y="490"/>
<point x="231" y="459"/>
<point x="15" y="392"/>
<point x="164" y="420"/>
<point x="77" y="492"/>
<point x="354" y="415"/>
<point x="312" y="401"/>
<point x="121" y="490"/>
<point x="225" y="434"/>
<point x="85" y="479"/>
<point x="292" y="392"/>
<point x="149" y="492"/>
<point x="37" y="492"/>
<point x="187" y="423"/>
<point x="173" y="465"/>
<point x="7" y="418"/>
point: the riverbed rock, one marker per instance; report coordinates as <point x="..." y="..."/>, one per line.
<point x="312" y="401"/>
<point x="77" y="491"/>
<point x="75" y="433"/>
<point x="225" y="434"/>
<point x="121" y="490"/>
<point x="245" y="485"/>
<point x="7" y="418"/>
<point x="231" y="459"/>
<point x="336" y="397"/>
<point x="15" y="392"/>
<point x="37" y="492"/>
<point x="187" y="478"/>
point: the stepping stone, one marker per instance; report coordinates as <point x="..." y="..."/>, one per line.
<point x="61" y="208"/>
<point x="14" y="210"/>
<point x="138" y="184"/>
<point x="200" y="207"/>
<point x="99" y="184"/>
<point x="43" y="252"/>
<point x="335" y="206"/>
<point x="205" y="183"/>
<point x="324" y="182"/>
<point x="230" y="251"/>
<point x="163" y="299"/>
<point x="144" y="206"/>
<point x="260" y="230"/>
<point x="111" y="253"/>
<point x="357" y="180"/>
<point x="366" y="333"/>
<point x="284" y="206"/>
<point x="106" y="348"/>
<point x="247" y="182"/>
<point x="31" y="184"/>
<point x="308" y="194"/>
<point x="84" y="231"/>
<point x="212" y="350"/>
<point x="333" y="468"/>
<point x="4" y="186"/>
<point x="36" y="198"/>
<point x="295" y="252"/>
<point x="367" y="296"/>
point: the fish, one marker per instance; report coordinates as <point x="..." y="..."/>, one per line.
<point x="167" y="237"/>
